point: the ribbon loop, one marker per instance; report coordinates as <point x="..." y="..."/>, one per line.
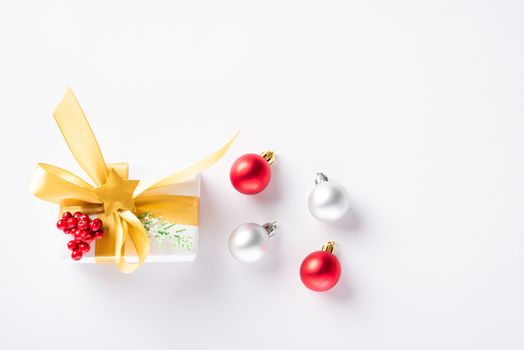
<point x="59" y="186"/>
<point x="78" y="135"/>
<point x="136" y="234"/>
<point x="189" y="172"/>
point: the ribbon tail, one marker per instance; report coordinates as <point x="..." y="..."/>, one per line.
<point x="119" y="244"/>
<point x="131" y="228"/>
<point x="188" y="172"/>
<point x="105" y="247"/>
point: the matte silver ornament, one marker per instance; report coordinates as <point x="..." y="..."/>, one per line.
<point x="249" y="242"/>
<point x="328" y="201"/>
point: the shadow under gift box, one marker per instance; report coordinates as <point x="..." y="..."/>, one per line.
<point x="169" y="241"/>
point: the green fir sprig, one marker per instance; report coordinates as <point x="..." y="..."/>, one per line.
<point x="162" y="229"/>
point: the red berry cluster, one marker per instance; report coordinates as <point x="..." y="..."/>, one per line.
<point x="83" y="229"/>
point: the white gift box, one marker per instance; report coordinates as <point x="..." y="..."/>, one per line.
<point x="169" y="241"/>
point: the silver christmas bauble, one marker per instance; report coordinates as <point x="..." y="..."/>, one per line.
<point x="329" y="200"/>
<point x="249" y="242"/>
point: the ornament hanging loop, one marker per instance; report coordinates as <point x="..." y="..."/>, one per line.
<point x="320" y="178"/>
<point x="269" y="156"/>
<point x="329" y="247"/>
<point x="270" y="228"/>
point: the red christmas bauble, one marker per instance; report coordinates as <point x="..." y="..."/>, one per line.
<point x="320" y="271"/>
<point x="250" y="174"/>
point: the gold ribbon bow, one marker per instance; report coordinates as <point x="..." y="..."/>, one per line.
<point x="115" y="199"/>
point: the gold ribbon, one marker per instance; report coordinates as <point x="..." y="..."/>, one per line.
<point x="115" y="199"/>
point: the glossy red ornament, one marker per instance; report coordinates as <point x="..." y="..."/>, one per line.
<point x="99" y="234"/>
<point x="86" y="235"/>
<point x="72" y="245"/>
<point x="90" y="237"/>
<point x="251" y="173"/>
<point x="78" y="234"/>
<point x="72" y="222"/>
<point x="83" y="224"/>
<point x="95" y="225"/>
<point x="77" y="254"/>
<point x="61" y="224"/>
<point x="83" y="246"/>
<point x="320" y="270"/>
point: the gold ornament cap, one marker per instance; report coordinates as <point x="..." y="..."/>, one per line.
<point x="329" y="247"/>
<point x="269" y="156"/>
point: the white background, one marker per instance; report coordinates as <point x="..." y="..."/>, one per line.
<point x="416" y="107"/>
